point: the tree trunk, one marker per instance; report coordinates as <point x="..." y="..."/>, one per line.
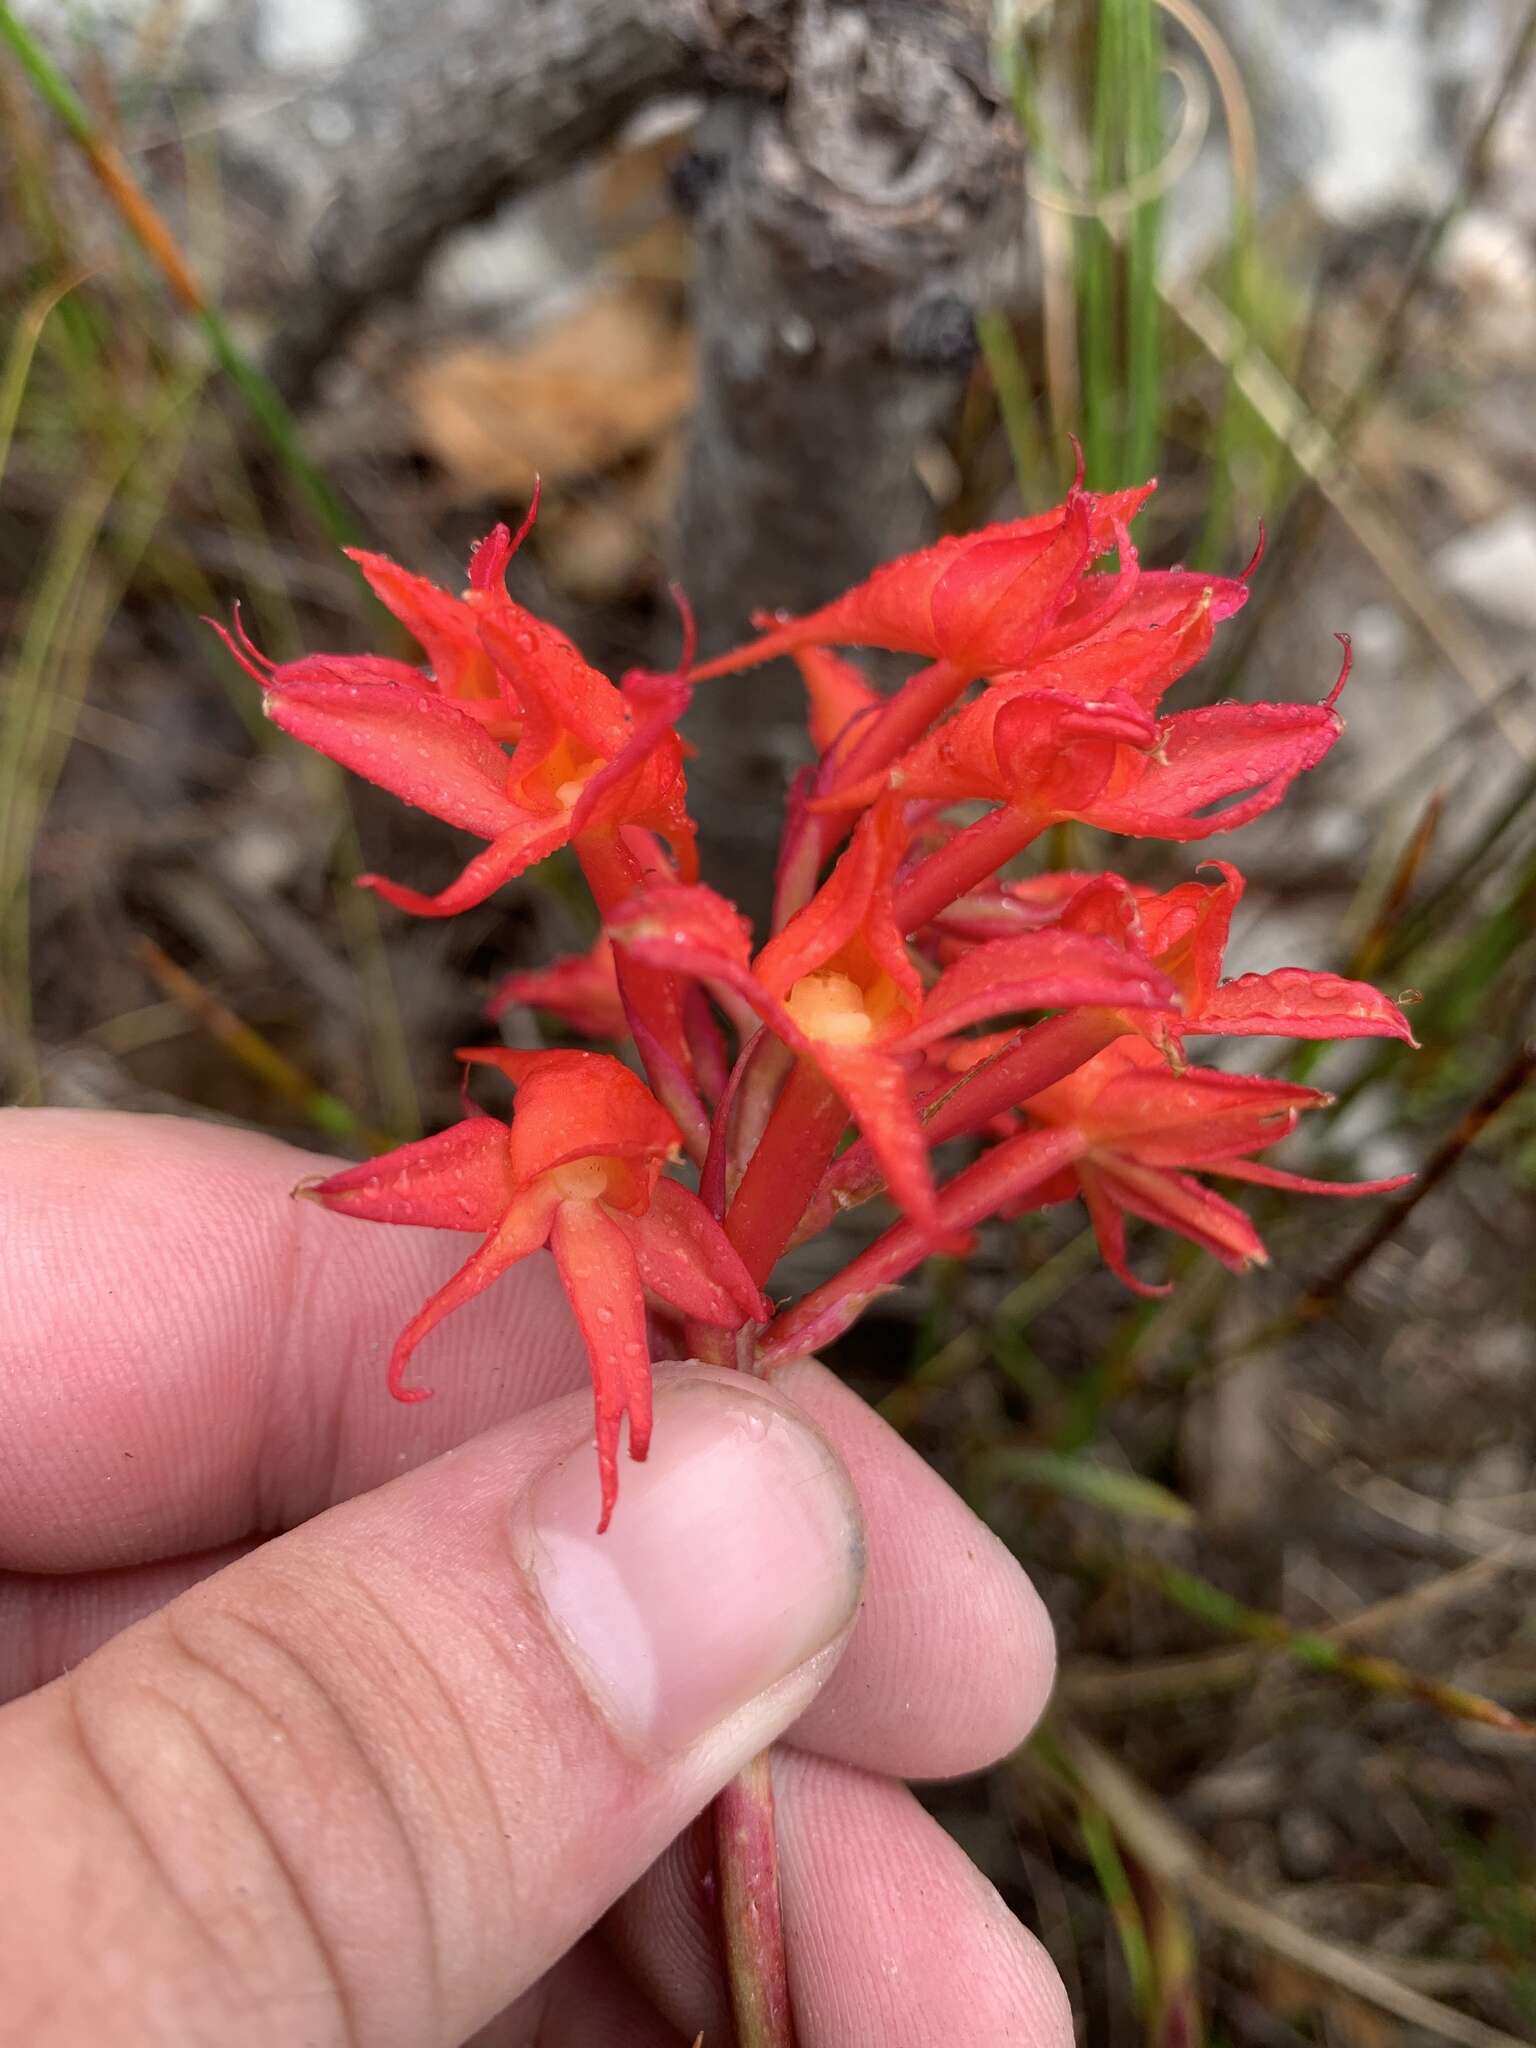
<point x="846" y="230"/>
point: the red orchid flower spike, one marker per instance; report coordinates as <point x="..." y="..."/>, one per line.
<point x="839" y="988"/>
<point x="1121" y="1132"/>
<point x="579" y="1168"/>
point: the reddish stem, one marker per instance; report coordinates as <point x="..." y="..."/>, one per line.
<point x="651" y="996"/>
<point x="1042" y="1056"/>
<point x="1037" y="1059"/>
<point x="998" y="1177"/>
<point x="751" y="1915"/>
<point x="900" y="722"/>
<point x="969" y="859"/>
<point x="782" y="1175"/>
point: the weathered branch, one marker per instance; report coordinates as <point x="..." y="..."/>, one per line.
<point x="499" y="111"/>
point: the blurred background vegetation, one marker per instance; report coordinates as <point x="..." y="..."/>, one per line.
<point x="1286" y="1526"/>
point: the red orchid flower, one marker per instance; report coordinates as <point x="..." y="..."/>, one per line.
<point x="579" y="1168"/>
<point x="1042" y="757"/>
<point x="1120" y="1132"/>
<point x="1140" y="1122"/>
<point x="839" y="988"/>
<point x="1180" y="933"/>
<point x="574" y="774"/>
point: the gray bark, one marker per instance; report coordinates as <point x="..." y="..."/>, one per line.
<point x="849" y="231"/>
<point x="508" y="104"/>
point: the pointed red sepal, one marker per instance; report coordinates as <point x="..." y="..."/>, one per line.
<point x="418" y="747"/>
<point x="1128" y="1099"/>
<point x="581" y="989"/>
<point x="1182" y="1204"/>
<point x="1295" y="1002"/>
<point x="838" y="690"/>
<point x="1048" y="970"/>
<point x="461" y="1179"/>
<point x="602" y="1281"/>
<point x="1213" y="770"/>
<point x="528" y="842"/>
<point x="686" y="1258"/>
<point x="521" y="1230"/>
<point x="1264" y="1176"/>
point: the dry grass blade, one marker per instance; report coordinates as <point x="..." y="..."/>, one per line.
<point x="1323" y="460"/>
<point x="1124" y="1688"/>
<point x="325" y="1111"/>
<point x="1151" y="1835"/>
<point x="153" y="235"/>
<point x="1218" y="1610"/>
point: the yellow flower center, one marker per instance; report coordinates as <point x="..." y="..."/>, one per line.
<point x="831" y="1007"/>
<point x="582" y="1180"/>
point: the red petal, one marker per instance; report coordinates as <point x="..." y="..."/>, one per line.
<point x="998" y="595"/>
<point x="1241" y="757"/>
<point x="523" y="1229"/>
<point x="602" y="1280"/>
<point x="446" y="627"/>
<point x="1143" y="659"/>
<point x="579" y="1105"/>
<point x="417" y="746"/>
<point x="853" y="902"/>
<point x="686" y="926"/>
<point x="686" y="1258"/>
<point x="1186" y="932"/>
<point x="530" y="841"/>
<point x="461" y="1179"/>
<point x="1049" y="970"/>
<point x="1178" y="1202"/>
<point x="838" y="692"/>
<point x="553" y="679"/>
<point x="579" y="988"/>
<point x="1294" y="1002"/>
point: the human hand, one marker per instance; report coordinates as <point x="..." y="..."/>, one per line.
<point x="332" y="1721"/>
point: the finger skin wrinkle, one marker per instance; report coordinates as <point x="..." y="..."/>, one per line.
<point x="198" y="1730"/>
<point x="345" y="1750"/>
<point x="94" y="1758"/>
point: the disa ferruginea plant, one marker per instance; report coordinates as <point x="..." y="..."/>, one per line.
<point x="885" y="1011"/>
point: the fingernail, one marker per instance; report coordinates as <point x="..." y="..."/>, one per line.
<point x="734" y="1555"/>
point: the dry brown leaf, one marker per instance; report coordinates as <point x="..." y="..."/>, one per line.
<point x="603" y="383"/>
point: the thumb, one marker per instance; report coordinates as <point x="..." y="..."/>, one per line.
<point x="367" y="1784"/>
